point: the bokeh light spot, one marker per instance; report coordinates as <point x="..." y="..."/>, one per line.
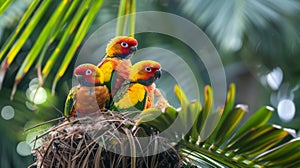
<point x="37" y="95"/>
<point x="34" y="83"/>
<point x="274" y="78"/>
<point x="32" y="137"/>
<point x="7" y="112"/>
<point x="286" y="110"/>
<point x="234" y="43"/>
<point x="30" y="106"/>
<point x="23" y="149"/>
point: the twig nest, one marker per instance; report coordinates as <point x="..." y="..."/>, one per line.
<point x="107" y="139"/>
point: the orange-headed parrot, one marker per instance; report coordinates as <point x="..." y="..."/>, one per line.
<point x="137" y="92"/>
<point x="90" y="95"/>
<point x="116" y="62"/>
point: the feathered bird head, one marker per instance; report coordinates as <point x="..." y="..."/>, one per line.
<point x="145" y="72"/>
<point x="122" y="47"/>
<point x="89" y="75"/>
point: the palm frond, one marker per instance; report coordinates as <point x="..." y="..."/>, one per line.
<point x="68" y="24"/>
<point x="70" y="18"/>
<point x="81" y="32"/>
<point x="228" y="22"/>
<point x="255" y="143"/>
<point x="125" y="13"/>
<point x="4" y="4"/>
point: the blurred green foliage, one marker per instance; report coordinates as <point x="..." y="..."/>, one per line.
<point x="253" y="37"/>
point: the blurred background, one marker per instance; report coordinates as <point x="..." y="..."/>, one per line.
<point x="257" y="41"/>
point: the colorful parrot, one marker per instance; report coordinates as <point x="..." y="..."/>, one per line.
<point x="116" y="62"/>
<point x="137" y="92"/>
<point x="90" y="95"/>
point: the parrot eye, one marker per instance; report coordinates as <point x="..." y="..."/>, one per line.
<point x="124" y="44"/>
<point x="148" y="69"/>
<point x="88" y="72"/>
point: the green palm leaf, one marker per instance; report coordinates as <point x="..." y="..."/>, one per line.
<point x="69" y="23"/>
<point x="82" y="30"/>
<point x="4" y="4"/>
<point x="69" y="30"/>
<point x="256" y="143"/>
<point x="11" y="55"/>
<point x="228" y="22"/>
<point x="253" y="144"/>
<point x="43" y="38"/>
<point x="70" y="17"/>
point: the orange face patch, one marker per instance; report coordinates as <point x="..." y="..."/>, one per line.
<point x="120" y="46"/>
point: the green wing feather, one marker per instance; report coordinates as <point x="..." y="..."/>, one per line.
<point x="141" y="104"/>
<point x="70" y="102"/>
<point x="121" y="92"/>
<point x="112" y="81"/>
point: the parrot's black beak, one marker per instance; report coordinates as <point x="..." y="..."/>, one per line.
<point x="157" y="74"/>
<point x="152" y="79"/>
<point x="83" y="81"/>
<point x="80" y="79"/>
<point x="133" y="49"/>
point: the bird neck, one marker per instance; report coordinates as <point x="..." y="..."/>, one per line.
<point x="93" y="84"/>
<point x="147" y="82"/>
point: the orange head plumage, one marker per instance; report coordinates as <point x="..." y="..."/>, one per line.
<point x="89" y="75"/>
<point x="145" y="72"/>
<point x="122" y="47"/>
